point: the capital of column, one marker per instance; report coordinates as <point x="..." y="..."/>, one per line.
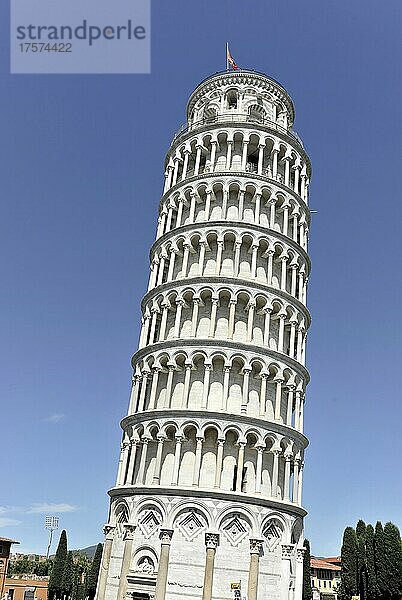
<point x="165" y="536"/>
<point x="287" y="550"/>
<point x="129" y="530"/>
<point x="211" y="540"/>
<point x="108" y="530"/>
<point x="256" y="546"/>
<point x="300" y="554"/>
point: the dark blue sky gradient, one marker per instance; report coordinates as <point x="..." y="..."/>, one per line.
<point x="81" y="165"/>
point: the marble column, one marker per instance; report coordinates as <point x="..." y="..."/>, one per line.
<point x="255" y="551"/>
<point x="211" y="543"/>
<point x="240" y="465"/>
<point x="197" y="463"/>
<point x="130" y="471"/>
<point x="125" y="567"/>
<point x="258" y="475"/>
<point x="219" y="463"/>
<point x="161" y="579"/>
<point x="104" y="566"/>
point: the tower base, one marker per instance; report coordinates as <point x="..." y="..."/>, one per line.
<point x="176" y="548"/>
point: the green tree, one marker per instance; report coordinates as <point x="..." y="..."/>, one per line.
<point x="56" y="576"/>
<point x="42" y="568"/>
<point x="67" y="581"/>
<point x="361" y="559"/>
<point x="393" y="561"/>
<point x="380" y="564"/>
<point x="372" y="591"/>
<point x="307" y="591"/>
<point x="93" y="573"/>
<point x="82" y="564"/>
<point x="349" y="564"/>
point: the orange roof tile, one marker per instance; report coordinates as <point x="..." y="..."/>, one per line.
<point x="317" y="563"/>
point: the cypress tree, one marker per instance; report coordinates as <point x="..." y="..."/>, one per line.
<point x="93" y="573"/>
<point x="361" y="559"/>
<point x="380" y="565"/>
<point x="372" y="591"/>
<point x="56" y="575"/>
<point x="349" y="584"/>
<point x="361" y="528"/>
<point x="307" y="590"/>
<point x="67" y="581"/>
<point x="393" y="561"/>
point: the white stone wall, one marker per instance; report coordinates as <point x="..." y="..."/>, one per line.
<point x="190" y="519"/>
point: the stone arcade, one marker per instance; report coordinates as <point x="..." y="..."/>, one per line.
<point x="209" y="481"/>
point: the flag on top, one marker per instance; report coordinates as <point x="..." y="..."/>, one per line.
<point x="229" y="59"/>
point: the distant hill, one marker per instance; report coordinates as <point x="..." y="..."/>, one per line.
<point x="89" y="551"/>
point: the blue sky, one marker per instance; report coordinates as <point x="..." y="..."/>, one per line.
<point x="81" y="162"/>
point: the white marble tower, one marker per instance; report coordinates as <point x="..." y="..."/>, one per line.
<point x="209" y="483"/>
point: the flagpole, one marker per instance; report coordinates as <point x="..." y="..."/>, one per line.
<point x="227" y="54"/>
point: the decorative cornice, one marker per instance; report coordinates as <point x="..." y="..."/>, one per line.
<point x="228" y="281"/>
<point x="247" y="227"/>
<point x="229" y="344"/>
<point x="171" y="414"/>
<point x="193" y="492"/>
<point x="245" y="175"/>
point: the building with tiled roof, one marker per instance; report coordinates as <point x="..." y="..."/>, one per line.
<point x="325" y="577"/>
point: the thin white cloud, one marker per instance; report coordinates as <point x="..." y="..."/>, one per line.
<point x="5" y="522"/>
<point x="8" y="509"/>
<point x="51" y="507"/>
<point x="55" y="418"/>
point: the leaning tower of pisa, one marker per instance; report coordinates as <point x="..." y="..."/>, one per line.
<point x="208" y="496"/>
